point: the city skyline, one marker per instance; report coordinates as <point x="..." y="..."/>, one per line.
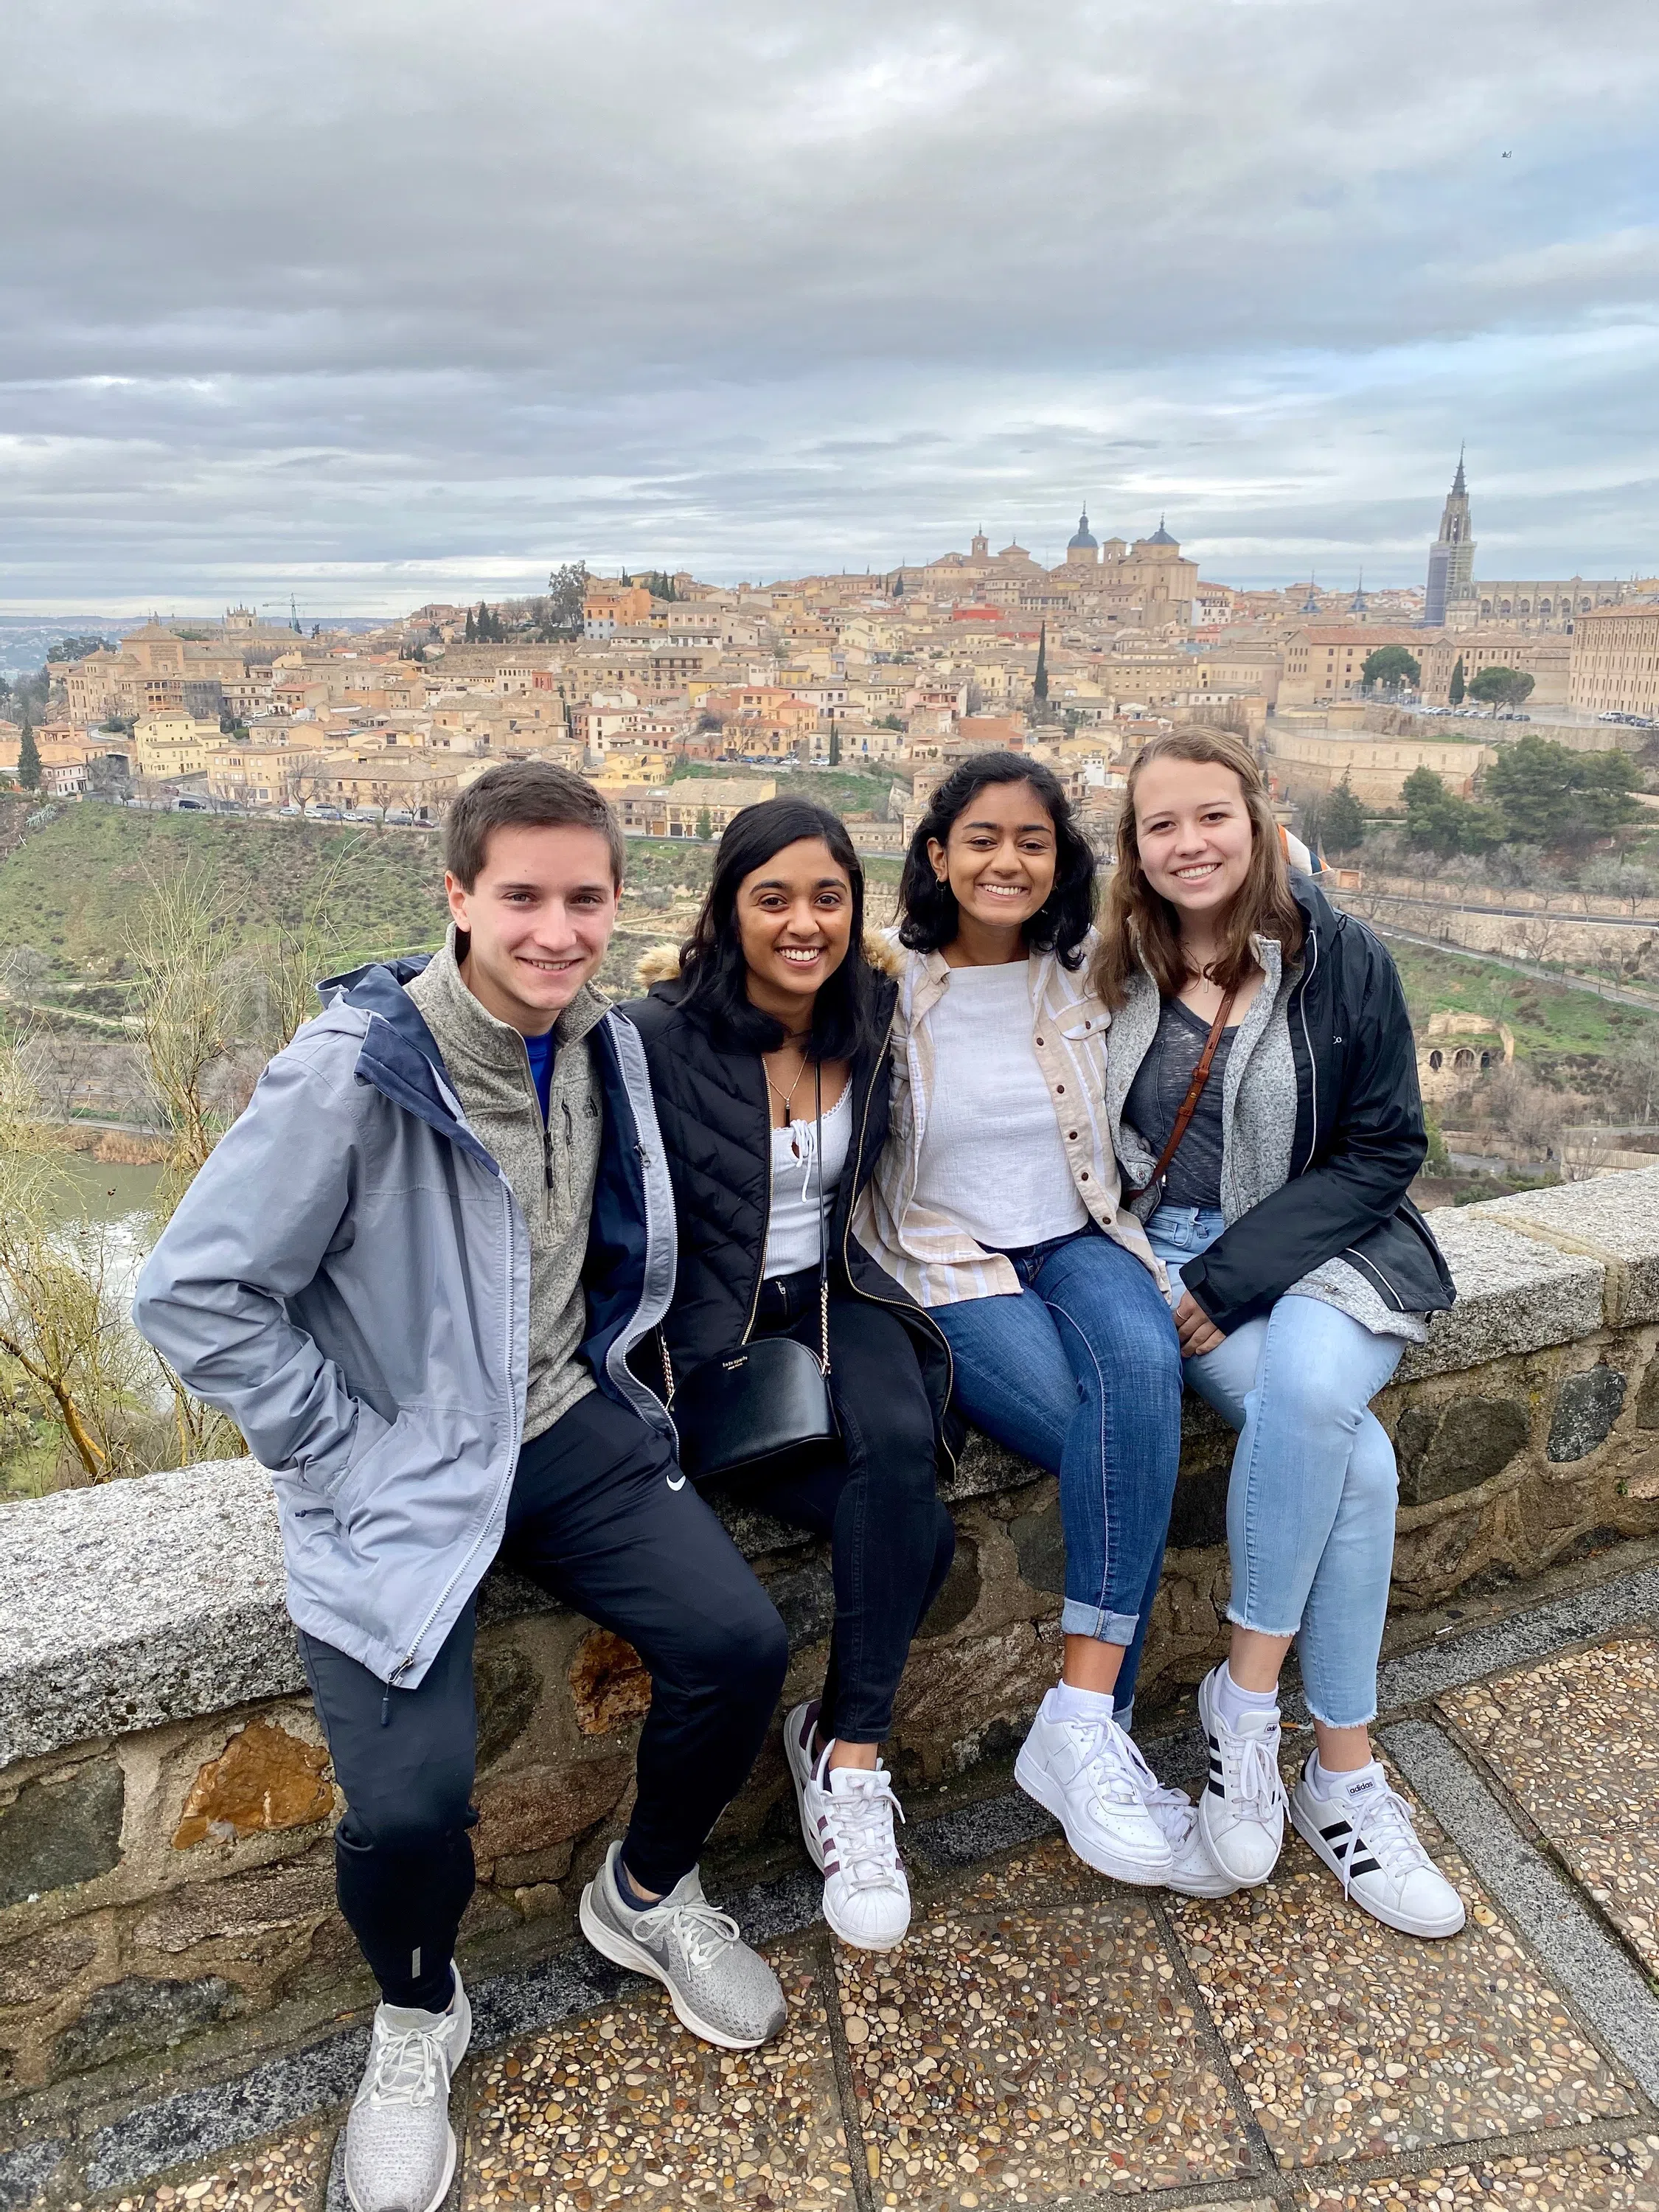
<point x="373" y="308"/>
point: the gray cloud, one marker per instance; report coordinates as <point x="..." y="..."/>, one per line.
<point x="367" y="301"/>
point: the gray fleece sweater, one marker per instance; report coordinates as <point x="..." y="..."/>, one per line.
<point x="551" y="1167"/>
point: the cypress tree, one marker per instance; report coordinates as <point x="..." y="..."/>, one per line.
<point x="28" y="758"/>
<point x="1456" y="689"/>
<point x="471" y="636"/>
<point x="1040" y="681"/>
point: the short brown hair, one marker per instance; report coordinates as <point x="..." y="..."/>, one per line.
<point x="1139" y="927"/>
<point x="525" y="794"/>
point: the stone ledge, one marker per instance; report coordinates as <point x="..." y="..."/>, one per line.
<point x="161" y="1599"/>
<point x="137" y="1603"/>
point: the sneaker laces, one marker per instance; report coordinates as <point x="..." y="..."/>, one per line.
<point x="703" y="1931"/>
<point x="1386" y="1829"/>
<point x="1255" y="1789"/>
<point x="863" y="1824"/>
<point x="1112" y="1761"/>
<point x="1173" y="1810"/>
<point x="405" y="2066"/>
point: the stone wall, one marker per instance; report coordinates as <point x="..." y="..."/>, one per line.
<point x="165" y="1796"/>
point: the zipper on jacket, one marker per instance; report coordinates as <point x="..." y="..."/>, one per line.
<point x="1313" y="1067"/>
<point x="766" y="1229"/>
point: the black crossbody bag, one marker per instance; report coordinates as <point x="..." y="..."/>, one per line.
<point x="758" y="1401"/>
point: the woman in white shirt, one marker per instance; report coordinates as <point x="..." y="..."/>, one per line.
<point x="766" y="1034"/>
<point x="996" y="1204"/>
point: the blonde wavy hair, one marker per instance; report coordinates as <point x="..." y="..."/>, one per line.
<point x="1139" y="927"/>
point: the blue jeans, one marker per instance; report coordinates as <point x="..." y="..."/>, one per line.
<point x="1311" y="1507"/>
<point x="1080" y="1371"/>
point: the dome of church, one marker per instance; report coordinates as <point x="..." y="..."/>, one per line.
<point x="1083" y="541"/>
<point x="1160" y="536"/>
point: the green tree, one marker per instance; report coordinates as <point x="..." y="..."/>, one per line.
<point x="1443" y="823"/>
<point x="1342" y="826"/>
<point x="77" y="648"/>
<point x="834" y="743"/>
<point x="705" y="825"/>
<point x="898" y="585"/>
<point x="567" y="587"/>
<point x="1455" y="689"/>
<point x="1040" y="681"/>
<point x="1549" y="795"/>
<point x="1501" y="687"/>
<point x="1390" y="665"/>
<point x="28" y="758"/>
<point x="470" y="635"/>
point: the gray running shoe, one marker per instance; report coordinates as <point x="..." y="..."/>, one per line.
<point x="719" y="1988"/>
<point x="400" y="2146"/>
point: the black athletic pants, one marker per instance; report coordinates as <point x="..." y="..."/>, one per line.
<point x="873" y="1494"/>
<point x="593" y="1519"/>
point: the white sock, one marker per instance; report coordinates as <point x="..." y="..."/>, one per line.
<point x="1234" y="1703"/>
<point x="1064" y="1703"/>
<point x="403" y="2018"/>
<point x="1324" y="1783"/>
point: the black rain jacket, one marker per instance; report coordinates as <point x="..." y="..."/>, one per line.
<point x="716" y="1124"/>
<point x="1359" y="1140"/>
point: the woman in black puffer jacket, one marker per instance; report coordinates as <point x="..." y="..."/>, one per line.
<point x="768" y="1027"/>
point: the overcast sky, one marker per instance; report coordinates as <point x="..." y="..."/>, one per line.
<point x="374" y="301"/>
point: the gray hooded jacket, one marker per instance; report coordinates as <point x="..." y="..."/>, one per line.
<point x="349" y="1279"/>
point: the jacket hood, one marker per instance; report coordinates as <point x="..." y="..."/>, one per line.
<point x="661" y="963"/>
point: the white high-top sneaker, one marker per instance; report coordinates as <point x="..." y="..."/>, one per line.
<point x="1089" y="1776"/>
<point x="400" y="2146"/>
<point x="846" y="1822"/>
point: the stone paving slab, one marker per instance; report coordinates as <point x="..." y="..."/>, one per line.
<point x="1354" y="2043"/>
<point x="628" y="2108"/>
<point x="1577" y="1742"/>
<point x="1031" y="2042"/>
<point x="1605" y="2177"/>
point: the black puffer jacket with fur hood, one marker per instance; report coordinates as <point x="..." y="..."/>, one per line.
<point x="716" y="1124"/>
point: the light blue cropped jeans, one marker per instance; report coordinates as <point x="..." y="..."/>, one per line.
<point x="1311" y="1507"/>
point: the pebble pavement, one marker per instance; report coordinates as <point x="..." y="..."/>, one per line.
<point x="1046" y="2037"/>
<point x="1601" y="1813"/>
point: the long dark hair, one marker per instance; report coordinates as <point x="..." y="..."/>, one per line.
<point x="927" y="908"/>
<point x="1142" y="926"/>
<point x="711" y="959"/>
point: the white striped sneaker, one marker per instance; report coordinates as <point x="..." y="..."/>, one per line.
<point x="1241" y="1809"/>
<point x="1364" y="1833"/>
<point x="847" y="1823"/>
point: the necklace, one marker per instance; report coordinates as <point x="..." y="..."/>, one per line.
<point x="786" y="1099"/>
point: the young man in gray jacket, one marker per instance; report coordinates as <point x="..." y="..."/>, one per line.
<point x="412" y="1272"/>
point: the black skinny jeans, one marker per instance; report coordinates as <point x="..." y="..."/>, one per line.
<point x="873" y="1494"/>
<point x="596" y="1519"/>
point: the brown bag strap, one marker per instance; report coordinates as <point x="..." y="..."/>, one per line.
<point x="1194" y="1091"/>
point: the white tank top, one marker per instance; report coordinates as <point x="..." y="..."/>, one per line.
<point x="792" y="1230"/>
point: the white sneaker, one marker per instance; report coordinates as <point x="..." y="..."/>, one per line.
<point x="400" y="2146"/>
<point x="1089" y="1776"/>
<point x="1193" y="1872"/>
<point x="1241" y="1813"/>
<point x="1366" y="1837"/>
<point x="847" y="1820"/>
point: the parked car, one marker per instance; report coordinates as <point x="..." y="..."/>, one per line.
<point x="326" y="814"/>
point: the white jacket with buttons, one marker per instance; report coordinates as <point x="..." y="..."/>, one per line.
<point x="926" y="1252"/>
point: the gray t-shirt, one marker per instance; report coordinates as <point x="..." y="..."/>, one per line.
<point x="1161" y="1083"/>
